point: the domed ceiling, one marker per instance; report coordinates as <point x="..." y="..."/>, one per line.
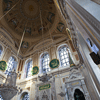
<point x="26" y="15"/>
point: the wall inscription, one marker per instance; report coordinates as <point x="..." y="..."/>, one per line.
<point x="43" y="87"/>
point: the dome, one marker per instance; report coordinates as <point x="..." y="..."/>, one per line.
<point x="27" y="14"/>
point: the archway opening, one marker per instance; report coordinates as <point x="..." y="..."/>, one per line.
<point x="78" y="95"/>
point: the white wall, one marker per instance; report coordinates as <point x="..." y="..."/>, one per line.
<point x="92" y="7"/>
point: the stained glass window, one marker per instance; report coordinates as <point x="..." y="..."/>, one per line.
<point x="63" y="55"/>
<point x="29" y="68"/>
<point x="45" y="63"/>
<point x="11" y="65"/>
<point x="0" y="50"/>
<point x="25" y="96"/>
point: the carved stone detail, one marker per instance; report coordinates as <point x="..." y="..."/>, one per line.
<point x="76" y="81"/>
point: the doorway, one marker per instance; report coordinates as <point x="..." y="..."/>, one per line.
<point x="78" y="95"/>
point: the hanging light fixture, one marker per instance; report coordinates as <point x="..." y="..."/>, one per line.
<point x="9" y="89"/>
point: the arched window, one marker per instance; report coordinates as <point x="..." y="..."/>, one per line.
<point x="25" y="96"/>
<point x="64" y="56"/>
<point x="45" y="62"/>
<point x="1" y="49"/>
<point x="29" y="65"/>
<point x="12" y="64"/>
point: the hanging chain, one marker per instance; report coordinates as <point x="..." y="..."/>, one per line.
<point x="9" y="11"/>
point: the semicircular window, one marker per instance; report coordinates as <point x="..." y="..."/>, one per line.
<point x="63" y="55"/>
<point x="45" y="62"/>
<point x="12" y="65"/>
<point x="25" y="96"/>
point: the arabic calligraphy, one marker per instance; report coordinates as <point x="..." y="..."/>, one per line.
<point x="54" y="63"/>
<point x="3" y="65"/>
<point x="35" y="70"/>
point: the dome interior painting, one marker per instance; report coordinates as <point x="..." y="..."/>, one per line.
<point x="31" y="16"/>
<point x="49" y="50"/>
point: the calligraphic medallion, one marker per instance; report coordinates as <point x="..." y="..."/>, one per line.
<point x="54" y="63"/>
<point x="35" y="70"/>
<point x="3" y="65"/>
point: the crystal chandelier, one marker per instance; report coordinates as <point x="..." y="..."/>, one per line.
<point x="9" y="88"/>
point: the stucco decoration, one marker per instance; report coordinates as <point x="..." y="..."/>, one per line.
<point x="60" y="26"/>
<point x="76" y="81"/>
<point x="25" y="44"/>
<point x="47" y="93"/>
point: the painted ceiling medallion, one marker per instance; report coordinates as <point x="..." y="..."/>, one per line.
<point x="30" y="9"/>
<point x="26" y="15"/>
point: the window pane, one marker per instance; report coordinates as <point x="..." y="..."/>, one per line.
<point x="29" y="68"/>
<point x="64" y="58"/>
<point x="45" y="63"/>
<point x="10" y="66"/>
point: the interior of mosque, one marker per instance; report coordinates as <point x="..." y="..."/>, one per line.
<point x="49" y="50"/>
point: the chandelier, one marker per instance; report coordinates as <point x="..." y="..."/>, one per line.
<point x="9" y="88"/>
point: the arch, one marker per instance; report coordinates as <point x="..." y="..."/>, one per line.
<point x="20" y="97"/>
<point x="78" y="95"/>
<point x="12" y="64"/>
<point x="44" y="62"/>
<point x="27" y="67"/>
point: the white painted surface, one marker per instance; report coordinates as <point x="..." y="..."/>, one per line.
<point x="92" y="7"/>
